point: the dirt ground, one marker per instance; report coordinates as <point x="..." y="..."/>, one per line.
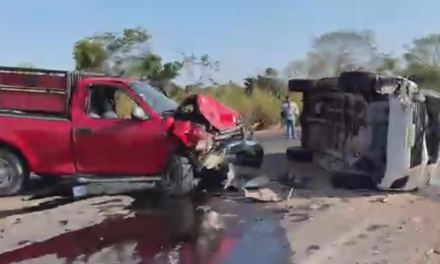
<point x="318" y="224"/>
<point x="342" y="227"/>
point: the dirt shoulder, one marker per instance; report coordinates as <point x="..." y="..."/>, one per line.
<point x="326" y="225"/>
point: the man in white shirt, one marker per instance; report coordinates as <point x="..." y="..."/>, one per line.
<point x="289" y="112"/>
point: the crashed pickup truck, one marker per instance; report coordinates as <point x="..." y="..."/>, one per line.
<point x="369" y="130"/>
<point x="105" y="129"/>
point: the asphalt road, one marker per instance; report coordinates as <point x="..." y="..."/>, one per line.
<point x="144" y="228"/>
<point x="318" y="225"/>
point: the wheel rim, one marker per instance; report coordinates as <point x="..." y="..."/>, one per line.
<point x="6" y="173"/>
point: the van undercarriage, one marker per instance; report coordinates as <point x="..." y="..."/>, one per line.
<point x="369" y="130"/>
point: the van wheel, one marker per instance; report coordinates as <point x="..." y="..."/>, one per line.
<point x="301" y="85"/>
<point x="13" y="173"/>
<point x="179" y="178"/>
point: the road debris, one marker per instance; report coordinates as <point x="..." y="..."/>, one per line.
<point x="262" y="195"/>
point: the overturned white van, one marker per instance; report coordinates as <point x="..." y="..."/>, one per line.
<point x="369" y="130"/>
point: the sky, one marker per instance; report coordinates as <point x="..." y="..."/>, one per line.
<point x="245" y="36"/>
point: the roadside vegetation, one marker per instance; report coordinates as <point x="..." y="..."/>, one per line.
<point x="258" y="97"/>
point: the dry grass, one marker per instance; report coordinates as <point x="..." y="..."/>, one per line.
<point x="259" y="107"/>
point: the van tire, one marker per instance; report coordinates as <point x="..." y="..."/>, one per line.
<point x="357" y="80"/>
<point x="250" y="158"/>
<point x="301" y="85"/>
<point x="17" y="173"/>
<point x="179" y="177"/>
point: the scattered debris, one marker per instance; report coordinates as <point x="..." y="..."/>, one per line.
<point x="290" y="194"/>
<point x="262" y="195"/>
<point x="376" y="227"/>
<point x="312" y="248"/>
<point x="257" y="182"/>
<point x="320" y="207"/>
<point x="252" y="182"/>
<point x="381" y="200"/>
<point x="299" y="217"/>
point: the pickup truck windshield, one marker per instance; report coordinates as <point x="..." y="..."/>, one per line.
<point x="155" y="99"/>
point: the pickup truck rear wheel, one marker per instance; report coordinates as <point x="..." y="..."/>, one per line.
<point x="13" y="173"/>
<point x="179" y="178"/>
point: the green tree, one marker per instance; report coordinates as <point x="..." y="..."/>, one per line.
<point x="269" y="81"/>
<point x="89" y="55"/>
<point x="160" y="74"/>
<point x="125" y="53"/>
<point x="201" y="69"/>
<point x="423" y="61"/>
<point x="387" y="64"/>
<point x="110" y="51"/>
<point x="339" y="51"/>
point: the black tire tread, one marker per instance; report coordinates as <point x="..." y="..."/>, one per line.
<point x="184" y="181"/>
<point x="301" y="85"/>
<point x="21" y="170"/>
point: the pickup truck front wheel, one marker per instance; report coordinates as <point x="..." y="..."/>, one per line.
<point x="13" y="173"/>
<point x="179" y="177"/>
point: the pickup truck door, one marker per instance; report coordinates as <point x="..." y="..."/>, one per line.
<point x="120" y="146"/>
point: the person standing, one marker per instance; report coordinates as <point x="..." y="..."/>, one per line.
<point x="289" y="112"/>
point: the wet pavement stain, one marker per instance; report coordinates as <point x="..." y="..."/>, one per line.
<point x="181" y="232"/>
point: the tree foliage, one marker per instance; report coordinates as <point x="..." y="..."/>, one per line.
<point x="129" y="53"/>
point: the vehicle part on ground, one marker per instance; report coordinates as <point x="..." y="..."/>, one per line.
<point x="242" y="177"/>
<point x="14" y="173"/>
<point x="247" y="153"/>
<point x="220" y="163"/>
<point x="371" y="130"/>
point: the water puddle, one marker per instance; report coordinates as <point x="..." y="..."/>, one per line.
<point x="177" y="233"/>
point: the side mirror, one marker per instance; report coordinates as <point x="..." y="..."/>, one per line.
<point x="138" y="113"/>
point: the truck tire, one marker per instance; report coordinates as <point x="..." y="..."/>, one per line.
<point x="328" y="84"/>
<point x="14" y="174"/>
<point x="179" y="178"/>
<point x="299" y="154"/>
<point x="301" y="85"/>
<point x="253" y="157"/>
<point x="357" y="80"/>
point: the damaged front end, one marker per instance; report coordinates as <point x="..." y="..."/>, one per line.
<point x="213" y="136"/>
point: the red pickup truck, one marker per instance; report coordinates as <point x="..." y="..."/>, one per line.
<point x="57" y="123"/>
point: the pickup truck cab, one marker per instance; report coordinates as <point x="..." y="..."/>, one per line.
<point x="58" y="123"/>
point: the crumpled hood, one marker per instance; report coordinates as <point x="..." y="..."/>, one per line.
<point x="190" y="119"/>
<point x="217" y="114"/>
